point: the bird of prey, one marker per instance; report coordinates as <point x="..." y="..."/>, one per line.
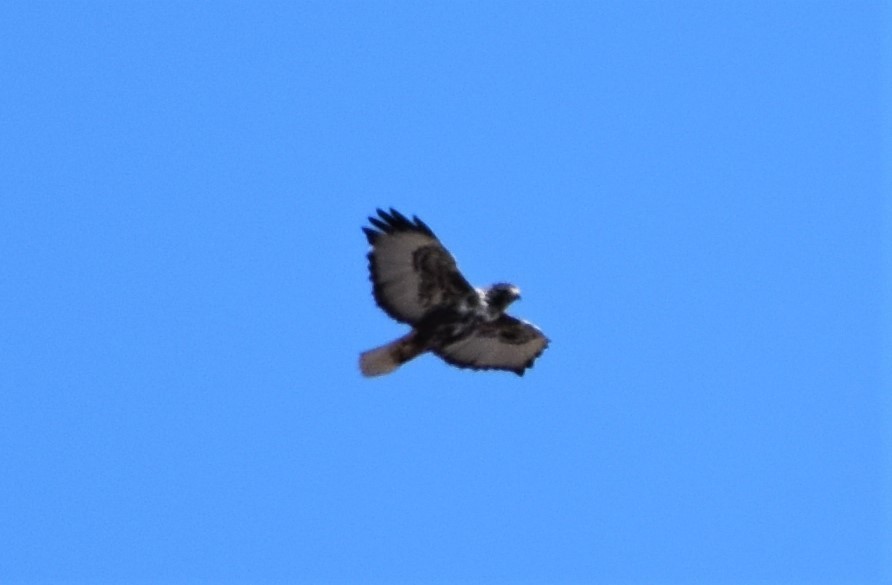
<point x="415" y="280"/>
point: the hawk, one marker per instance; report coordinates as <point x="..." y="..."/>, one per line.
<point x="415" y="280"/>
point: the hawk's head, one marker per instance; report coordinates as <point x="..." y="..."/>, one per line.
<point x="500" y="295"/>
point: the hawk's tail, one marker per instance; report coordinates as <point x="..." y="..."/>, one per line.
<point x="385" y="359"/>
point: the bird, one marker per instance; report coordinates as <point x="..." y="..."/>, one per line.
<point x="416" y="281"/>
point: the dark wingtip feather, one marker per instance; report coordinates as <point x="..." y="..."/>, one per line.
<point x="384" y="215"/>
<point x="399" y="221"/>
<point x="394" y="221"/>
<point x="384" y="227"/>
<point x="399" y="216"/>
<point x="423" y="227"/>
<point x="370" y="234"/>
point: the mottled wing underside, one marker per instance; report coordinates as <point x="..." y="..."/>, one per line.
<point x="504" y="344"/>
<point x="409" y="268"/>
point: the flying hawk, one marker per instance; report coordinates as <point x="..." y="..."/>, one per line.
<point x="416" y="281"/>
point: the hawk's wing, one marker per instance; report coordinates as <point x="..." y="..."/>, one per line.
<point x="410" y="269"/>
<point x="504" y="344"/>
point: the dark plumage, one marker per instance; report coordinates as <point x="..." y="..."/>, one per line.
<point x="415" y="280"/>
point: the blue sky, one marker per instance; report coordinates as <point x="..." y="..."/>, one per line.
<point x="689" y="194"/>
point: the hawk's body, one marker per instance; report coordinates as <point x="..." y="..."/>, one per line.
<point x="416" y="281"/>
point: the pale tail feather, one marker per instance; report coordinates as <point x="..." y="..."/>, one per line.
<point x="385" y="359"/>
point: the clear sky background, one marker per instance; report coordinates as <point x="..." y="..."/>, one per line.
<point x="689" y="194"/>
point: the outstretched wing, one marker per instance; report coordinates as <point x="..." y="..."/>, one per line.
<point x="504" y="344"/>
<point x="410" y="270"/>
